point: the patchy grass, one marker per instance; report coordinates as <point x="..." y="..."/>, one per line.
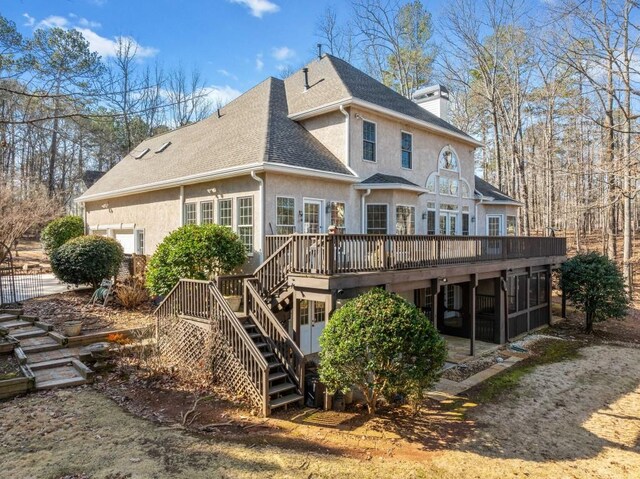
<point x="547" y="351"/>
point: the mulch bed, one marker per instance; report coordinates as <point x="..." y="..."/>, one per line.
<point x="9" y="367"/>
<point x="74" y="306"/>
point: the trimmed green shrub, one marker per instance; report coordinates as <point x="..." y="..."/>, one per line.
<point x="87" y="260"/>
<point x="595" y="286"/>
<point x="382" y="345"/>
<point x="194" y="252"/>
<point x="59" y="231"/>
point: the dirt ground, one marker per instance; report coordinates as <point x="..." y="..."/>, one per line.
<point x="74" y="306"/>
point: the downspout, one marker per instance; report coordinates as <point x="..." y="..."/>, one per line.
<point x="181" y="206"/>
<point x="347" y="136"/>
<point x="261" y="215"/>
<point x="364" y="215"/>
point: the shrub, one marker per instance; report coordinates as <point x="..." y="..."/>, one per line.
<point x="131" y="292"/>
<point x="595" y="286"/>
<point x="87" y="260"/>
<point x="194" y="252"/>
<point x="382" y="345"/>
<point x="59" y="231"/>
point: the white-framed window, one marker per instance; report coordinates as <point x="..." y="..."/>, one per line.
<point x="406" y="149"/>
<point x="465" y="224"/>
<point x="368" y="141"/>
<point x="512" y="225"/>
<point x="139" y="241"/>
<point x="405" y="220"/>
<point x="245" y="222"/>
<point x="225" y="212"/>
<point x="377" y="219"/>
<point x="206" y="212"/>
<point x="336" y="216"/>
<point x="431" y="183"/>
<point x="494" y="225"/>
<point x="465" y="189"/>
<point x="448" y="186"/>
<point x="285" y="215"/>
<point x="190" y="213"/>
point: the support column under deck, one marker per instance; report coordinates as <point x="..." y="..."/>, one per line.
<point x="473" y="284"/>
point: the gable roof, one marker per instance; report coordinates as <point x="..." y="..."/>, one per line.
<point x="332" y="80"/>
<point x="485" y="188"/>
<point x="382" y="179"/>
<point x="252" y="130"/>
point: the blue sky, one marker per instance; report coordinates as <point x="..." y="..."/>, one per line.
<point x="234" y="43"/>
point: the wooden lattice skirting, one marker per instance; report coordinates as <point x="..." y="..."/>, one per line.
<point x="189" y="345"/>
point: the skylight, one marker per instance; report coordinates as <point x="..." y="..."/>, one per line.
<point x="141" y="154"/>
<point x="163" y="147"/>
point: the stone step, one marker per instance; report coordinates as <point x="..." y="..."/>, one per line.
<point x="59" y="373"/>
<point x="284" y="400"/>
<point x="16" y="324"/>
<point x="39" y="344"/>
<point x="28" y="332"/>
<point x="7" y="317"/>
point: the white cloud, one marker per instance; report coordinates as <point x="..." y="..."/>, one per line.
<point x="106" y="47"/>
<point x="283" y="53"/>
<point x="83" y="22"/>
<point x="259" y="62"/>
<point x="54" y="21"/>
<point x="30" y="20"/>
<point x="221" y="94"/>
<point x="227" y="74"/>
<point x="258" y="7"/>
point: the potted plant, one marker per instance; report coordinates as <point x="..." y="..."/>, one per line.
<point x="72" y="328"/>
<point x="234" y="301"/>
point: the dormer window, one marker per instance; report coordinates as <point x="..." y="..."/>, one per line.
<point x="163" y="147"/>
<point x="368" y="141"/>
<point x="142" y="153"/>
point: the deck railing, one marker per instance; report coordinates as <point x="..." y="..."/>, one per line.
<point x="338" y="254"/>
<point x="272" y="273"/>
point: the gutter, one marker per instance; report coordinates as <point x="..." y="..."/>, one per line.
<point x="362" y="209"/>
<point x="391" y="186"/>
<point x="261" y="216"/>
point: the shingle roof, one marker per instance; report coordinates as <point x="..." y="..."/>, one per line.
<point x="332" y="79"/>
<point x="382" y="179"/>
<point x="487" y="189"/>
<point x="252" y="129"/>
<point x="89" y="177"/>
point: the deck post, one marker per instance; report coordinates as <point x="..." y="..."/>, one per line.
<point x="473" y="284"/>
<point x="549" y="292"/>
<point x="564" y="305"/>
<point x="435" y="289"/>
<point x="501" y="307"/>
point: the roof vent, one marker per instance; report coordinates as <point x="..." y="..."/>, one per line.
<point x="306" y="78"/>
<point x="141" y="154"/>
<point x="163" y="147"/>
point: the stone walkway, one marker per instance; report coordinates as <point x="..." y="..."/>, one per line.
<point x="453" y="388"/>
<point x="43" y="354"/>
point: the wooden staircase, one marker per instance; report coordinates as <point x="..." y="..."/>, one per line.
<point x="272" y="365"/>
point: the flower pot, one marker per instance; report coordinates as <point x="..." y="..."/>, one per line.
<point x="234" y="302"/>
<point x="72" y="328"/>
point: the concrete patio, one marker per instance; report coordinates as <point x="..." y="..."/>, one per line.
<point x="459" y="349"/>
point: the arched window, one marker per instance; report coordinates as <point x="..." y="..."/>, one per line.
<point x="465" y="188"/>
<point x="431" y="183"/>
<point x="448" y="160"/>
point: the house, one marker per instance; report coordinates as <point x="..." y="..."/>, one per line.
<point x="331" y="146"/>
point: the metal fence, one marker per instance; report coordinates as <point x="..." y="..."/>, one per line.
<point x="17" y="284"/>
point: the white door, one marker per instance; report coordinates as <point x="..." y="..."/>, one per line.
<point x="312" y="218"/>
<point x="126" y="239"/>
<point x="312" y="323"/>
<point x="494" y="225"/>
<point x="448" y="223"/>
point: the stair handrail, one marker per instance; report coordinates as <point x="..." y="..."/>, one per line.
<point x="283" y="344"/>
<point x="243" y="346"/>
<point x="262" y="272"/>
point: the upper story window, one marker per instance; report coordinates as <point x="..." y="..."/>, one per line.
<point x="512" y="226"/>
<point x="285" y="216"/>
<point x="448" y="160"/>
<point x="407" y="150"/>
<point x="405" y="220"/>
<point x="448" y="186"/>
<point x="245" y="222"/>
<point x="368" y="141"/>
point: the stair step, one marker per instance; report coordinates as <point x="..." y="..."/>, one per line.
<point x="261" y="345"/>
<point x="39" y="344"/>
<point x="255" y="335"/>
<point x="267" y="354"/>
<point x="278" y="375"/>
<point x="7" y="317"/>
<point x="58" y="373"/>
<point x="281" y="388"/>
<point x="16" y="324"/>
<point x="284" y="400"/>
<point x="274" y="365"/>
<point x="248" y="325"/>
<point x="60" y="383"/>
<point x="28" y="332"/>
